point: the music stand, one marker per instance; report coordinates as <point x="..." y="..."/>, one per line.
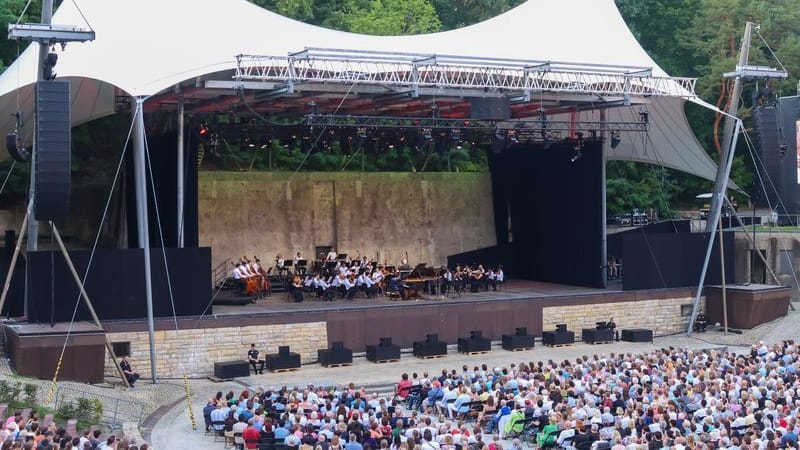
<point x="341" y="256"/>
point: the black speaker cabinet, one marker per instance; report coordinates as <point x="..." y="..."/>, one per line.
<point x="520" y="340"/>
<point x="385" y="351"/>
<point x="53" y="158"/>
<point x="597" y="336"/>
<point x="475" y="343"/>
<point x="553" y="338"/>
<point x="431" y="347"/>
<point x="283" y="360"/>
<point x="231" y="369"/>
<point x="336" y="355"/>
<point x="637" y="335"/>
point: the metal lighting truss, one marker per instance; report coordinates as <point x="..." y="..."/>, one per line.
<point x="399" y="71"/>
<point x="534" y="125"/>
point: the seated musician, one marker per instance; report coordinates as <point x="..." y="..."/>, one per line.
<point x="237" y="277"/>
<point x="324" y="289"/>
<point x="378" y="279"/>
<point x="404" y="265"/>
<point x="331" y="255"/>
<point x="366" y="284"/>
<point x="350" y="287"/>
<point x="297" y="289"/>
<point x="279" y="264"/>
<point x="297" y="267"/>
<point x="459" y="279"/>
<point x="476" y="279"/>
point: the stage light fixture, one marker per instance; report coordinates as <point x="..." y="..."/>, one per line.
<point x="361" y="132"/>
<point x="782" y="149"/>
<point x="511" y="135"/>
<point x="644" y="116"/>
<point x="15" y="148"/>
<point x="455" y="135"/>
<point x="576" y="156"/>
<point x="50" y="62"/>
<point x="204" y="130"/>
<point x="615" y="139"/>
<point x="427" y="133"/>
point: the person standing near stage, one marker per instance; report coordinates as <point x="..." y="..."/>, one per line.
<point x="252" y="357"/>
<point x="611" y="325"/>
<point x="130" y="374"/>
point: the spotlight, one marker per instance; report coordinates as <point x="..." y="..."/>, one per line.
<point x="15" y="148"/>
<point x="455" y="135"/>
<point x="511" y="135"/>
<point x="203" y="129"/>
<point x="576" y="156"/>
<point x="782" y="150"/>
<point x="427" y="133"/>
<point x="644" y="116"/>
<point x="361" y="132"/>
<point x="49" y="62"/>
<point x="615" y="140"/>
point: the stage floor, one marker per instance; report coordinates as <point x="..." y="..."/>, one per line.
<point x="512" y="289"/>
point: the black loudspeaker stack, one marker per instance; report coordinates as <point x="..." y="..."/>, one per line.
<point x="53" y="158"/>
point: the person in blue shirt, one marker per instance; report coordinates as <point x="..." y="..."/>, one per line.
<point x="503" y="411"/>
<point x="352" y="443"/>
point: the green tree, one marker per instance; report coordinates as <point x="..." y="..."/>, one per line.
<point x="460" y="13"/>
<point x="386" y="17"/>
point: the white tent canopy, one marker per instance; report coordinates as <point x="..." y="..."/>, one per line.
<point x="147" y="47"/>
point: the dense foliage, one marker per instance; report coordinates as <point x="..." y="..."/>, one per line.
<point x="696" y="38"/>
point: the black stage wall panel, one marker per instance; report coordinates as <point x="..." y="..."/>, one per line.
<point x="490" y="257"/>
<point x="16" y="292"/>
<point x="667" y="260"/>
<point x="162" y="149"/>
<point x="555" y="206"/>
<point x="116" y="284"/>
<point x="788" y="118"/>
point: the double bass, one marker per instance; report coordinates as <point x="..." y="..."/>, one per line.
<point x="265" y="283"/>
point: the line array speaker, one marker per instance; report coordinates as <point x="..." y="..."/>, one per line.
<point x="53" y="156"/>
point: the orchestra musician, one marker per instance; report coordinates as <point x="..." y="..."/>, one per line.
<point x="476" y="278"/>
<point x="237" y="277"/>
<point x="279" y="264"/>
<point x="259" y="270"/>
<point x="297" y="289"/>
<point x="331" y="256"/>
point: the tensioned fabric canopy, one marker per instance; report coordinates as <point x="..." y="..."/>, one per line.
<point x="147" y="47"/>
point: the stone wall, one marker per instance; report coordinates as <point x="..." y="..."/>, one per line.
<point x="663" y="316"/>
<point x="380" y="215"/>
<point x="195" y="351"/>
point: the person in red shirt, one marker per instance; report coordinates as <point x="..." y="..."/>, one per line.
<point x="403" y="387"/>
<point x="251" y="435"/>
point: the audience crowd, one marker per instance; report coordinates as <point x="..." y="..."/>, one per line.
<point x="24" y="430"/>
<point x="665" y="399"/>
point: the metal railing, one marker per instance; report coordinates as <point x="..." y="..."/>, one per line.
<point x="220" y="272"/>
<point x="116" y="410"/>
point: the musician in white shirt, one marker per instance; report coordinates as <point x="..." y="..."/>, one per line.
<point x="331" y="255"/>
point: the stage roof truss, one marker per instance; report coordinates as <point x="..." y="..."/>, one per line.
<point x="411" y="72"/>
<point x="347" y="121"/>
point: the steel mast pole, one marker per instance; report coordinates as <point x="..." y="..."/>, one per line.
<point x="730" y="136"/>
<point x="139" y="168"/>
<point x="44" y="50"/>
<point x="181" y="153"/>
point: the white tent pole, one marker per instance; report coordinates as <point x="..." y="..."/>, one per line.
<point x="181" y="154"/>
<point x="142" y="222"/>
<point x="716" y="212"/>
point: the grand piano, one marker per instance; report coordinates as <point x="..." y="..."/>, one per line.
<point x="422" y="279"/>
